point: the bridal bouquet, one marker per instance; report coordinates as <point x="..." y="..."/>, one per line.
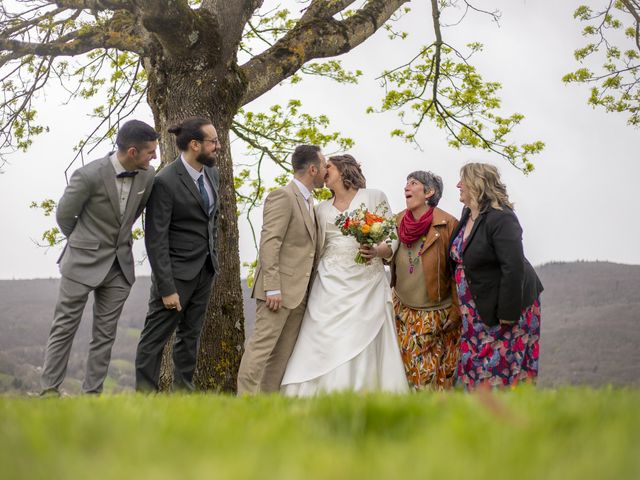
<point x="368" y="228"/>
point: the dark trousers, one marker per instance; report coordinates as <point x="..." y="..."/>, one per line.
<point x="160" y="325"/>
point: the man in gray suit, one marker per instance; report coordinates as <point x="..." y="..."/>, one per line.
<point x="180" y="235"/>
<point x="96" y="213"/>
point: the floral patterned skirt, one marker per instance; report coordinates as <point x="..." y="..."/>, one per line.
<point x="500" y="355"/>
<point x="496" y="356"/>
<point x="429" y="355"/>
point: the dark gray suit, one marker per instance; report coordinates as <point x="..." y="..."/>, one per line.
<point x="98" y="258"/>
<point x="181" y="244"/>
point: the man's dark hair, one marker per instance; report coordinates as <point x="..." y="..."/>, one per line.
<point x="305" y="155"/>
<point x="189" y="129"/>
<point x="135" y="133"/>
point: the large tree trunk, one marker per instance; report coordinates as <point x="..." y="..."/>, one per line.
<point x="173" y="96"/>
<point x="222" y="339"/>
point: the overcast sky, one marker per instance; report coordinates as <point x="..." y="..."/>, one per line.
<point x="583" y="188"/>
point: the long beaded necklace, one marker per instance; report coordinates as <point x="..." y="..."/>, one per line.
<point x="413" y="262"/>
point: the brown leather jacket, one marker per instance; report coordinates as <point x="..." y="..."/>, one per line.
<point x="435" y="253"/>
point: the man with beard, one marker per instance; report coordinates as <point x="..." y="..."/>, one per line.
<point x="180" y="236"/>
<point x="288" y="245"/>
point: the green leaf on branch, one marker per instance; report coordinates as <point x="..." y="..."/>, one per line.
<point x="441" y="86"/>
<point x="270" y="137"/>
<point x="616" y="83"/>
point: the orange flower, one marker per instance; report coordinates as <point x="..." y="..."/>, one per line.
<point x="365" y="228"/>
<point x="371" y="218"/>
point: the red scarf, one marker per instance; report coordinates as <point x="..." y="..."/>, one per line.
<point x="411" y="229"/>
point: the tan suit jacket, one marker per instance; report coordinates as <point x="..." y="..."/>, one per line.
<point x="287" y="247"/>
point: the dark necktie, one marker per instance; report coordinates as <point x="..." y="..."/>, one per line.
<point x="127" y="174"/>
<point x="203" y="193"/>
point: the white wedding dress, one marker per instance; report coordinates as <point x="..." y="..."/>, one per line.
<point x="347" y="340"/>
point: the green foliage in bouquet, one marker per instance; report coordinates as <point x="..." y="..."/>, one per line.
<point x="366" y="227"/>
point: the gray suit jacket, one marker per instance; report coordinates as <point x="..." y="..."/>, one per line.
<point x="88" y="214"/>
<point x="179" y="234"/>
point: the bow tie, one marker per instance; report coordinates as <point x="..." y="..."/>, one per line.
<point x="127" y="174"/>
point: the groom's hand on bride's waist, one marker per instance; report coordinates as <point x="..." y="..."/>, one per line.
<point x="274" y="302"/>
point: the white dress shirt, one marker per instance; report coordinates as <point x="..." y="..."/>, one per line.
<point x="123" y="184"/>
<point x="195" y="175"/>
<point x="306" y="194"/>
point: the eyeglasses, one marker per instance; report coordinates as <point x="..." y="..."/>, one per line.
<point x="215" y="142"/>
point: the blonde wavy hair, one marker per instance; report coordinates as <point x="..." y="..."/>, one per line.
<point x="485" y="188"/>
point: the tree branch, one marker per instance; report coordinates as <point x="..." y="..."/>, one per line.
<point x="231" y="18"/>
<point x="324" y="9"/>
<point x="174" y="24"/>
<point x="96" y="5"/>
<point x="74" y="43"/>
<point x="64" y="32"/>
<point x="11" y="27"/>
<point x="634" y="9"/>
<point x="435" y="15"/>
<point x="495" y="14"/>
<point x="315" y="38"/>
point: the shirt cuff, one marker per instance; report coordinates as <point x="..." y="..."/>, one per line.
<point x="270" y="293"/>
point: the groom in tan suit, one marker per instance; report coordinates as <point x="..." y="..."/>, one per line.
<point x="286" y="260"/>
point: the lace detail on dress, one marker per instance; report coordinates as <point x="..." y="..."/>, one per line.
<point x="340" y="250"/>
<point x="344" y="254"/>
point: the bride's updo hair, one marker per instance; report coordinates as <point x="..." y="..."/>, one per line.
<point x="350" y="171"/>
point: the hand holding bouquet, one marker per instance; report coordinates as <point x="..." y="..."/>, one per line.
<point x="368" y="228"/>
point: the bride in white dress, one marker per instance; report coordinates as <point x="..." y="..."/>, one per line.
<point x="347" y="340"/>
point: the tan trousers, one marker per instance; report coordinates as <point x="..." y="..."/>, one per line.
<point x="267" y="353"/>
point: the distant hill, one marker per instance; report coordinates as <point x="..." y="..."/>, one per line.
<point x="590" y="328"/>
<point x="25" y="320"/>
<point x="591" y="323"/>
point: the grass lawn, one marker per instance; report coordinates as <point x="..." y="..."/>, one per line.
<point x="521" y="434"/>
